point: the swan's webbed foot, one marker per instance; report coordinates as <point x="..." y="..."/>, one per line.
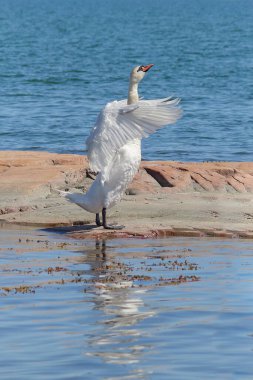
<point x="109" y="226"/>
<point x="98" y="223"/>
<point x="113" y="227"/>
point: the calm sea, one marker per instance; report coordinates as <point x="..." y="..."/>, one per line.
<point x="62" y="60"/>
<point x="161" y="309"/>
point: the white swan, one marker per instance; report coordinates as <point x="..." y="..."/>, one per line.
<point x="114" y="145"/>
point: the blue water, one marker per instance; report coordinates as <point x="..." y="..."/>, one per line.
<point x="129" y="309"/>
<point x="62" y="60"/>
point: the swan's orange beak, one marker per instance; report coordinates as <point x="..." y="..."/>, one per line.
<point x="146" y="68"/>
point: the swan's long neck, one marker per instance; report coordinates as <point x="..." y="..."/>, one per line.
<point x="133" y="96"/>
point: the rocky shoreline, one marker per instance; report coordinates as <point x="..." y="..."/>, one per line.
<point x="166" y="198"/>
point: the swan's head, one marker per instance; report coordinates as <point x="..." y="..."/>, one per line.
<point x="139" y="72"/>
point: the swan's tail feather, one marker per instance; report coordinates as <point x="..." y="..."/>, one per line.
<point x="87" y="202"/>
<point x="62" y="193"/>
<point x="72" y="197"/>
<point x="77" y="198"/>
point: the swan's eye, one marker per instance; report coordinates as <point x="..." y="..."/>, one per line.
<point x="140" y="68"/>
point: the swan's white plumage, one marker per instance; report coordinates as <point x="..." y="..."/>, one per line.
<point x="111" y="182"/>
<point x="119" y="123"/>
<point x="114" y="144"/>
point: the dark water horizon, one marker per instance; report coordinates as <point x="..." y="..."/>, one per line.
<point x="62" y="61"/>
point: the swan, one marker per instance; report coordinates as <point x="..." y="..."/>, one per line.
<point x="114" y="145"/>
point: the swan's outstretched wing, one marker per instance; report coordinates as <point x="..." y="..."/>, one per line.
<point x="119" y="123"/>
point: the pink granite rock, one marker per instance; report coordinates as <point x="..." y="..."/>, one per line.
<point x="32" y="174"/>
<point x="161" y="195"/>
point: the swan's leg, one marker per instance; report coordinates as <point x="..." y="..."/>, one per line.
<point x="109" y="226"/>
<point x="98" y="223"/>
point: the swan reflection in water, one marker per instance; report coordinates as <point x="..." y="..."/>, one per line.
<point x="120" y="307"/>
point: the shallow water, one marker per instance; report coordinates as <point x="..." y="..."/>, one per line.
<point x="62" y="60"/>
<point x="178" y="308"/>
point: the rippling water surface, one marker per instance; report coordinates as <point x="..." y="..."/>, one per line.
<point x="176" y="308"/>
<point x="62" y="60"/>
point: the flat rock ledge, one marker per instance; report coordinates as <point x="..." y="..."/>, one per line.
<point x="144" y="233"/>
<point x="166" y="198"/>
